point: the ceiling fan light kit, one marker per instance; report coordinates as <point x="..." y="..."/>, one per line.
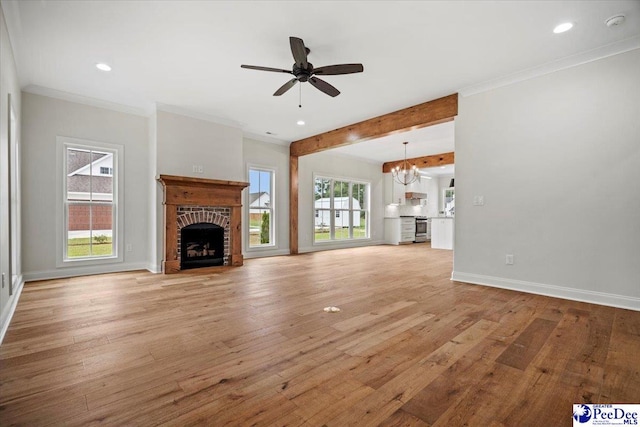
<point x="303" y="71"/>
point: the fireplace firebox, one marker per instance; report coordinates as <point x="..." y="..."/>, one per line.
<point x="201" y="245"/>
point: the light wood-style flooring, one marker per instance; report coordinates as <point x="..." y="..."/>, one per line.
<point x="252" y="346"/>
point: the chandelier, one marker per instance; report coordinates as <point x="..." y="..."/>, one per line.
<point x="406" y="175"/>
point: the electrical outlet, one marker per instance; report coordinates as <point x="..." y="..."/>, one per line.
<point x="509" y="259"/>
<point x="200" y="169"/>
<point x="194" y="168"/>
<point x="129" y="247"/>
<point x="478" y="200"/>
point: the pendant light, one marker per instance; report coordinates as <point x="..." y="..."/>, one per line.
<point x="408" y="174"/>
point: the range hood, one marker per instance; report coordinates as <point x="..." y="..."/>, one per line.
<point x="415" y="196"/>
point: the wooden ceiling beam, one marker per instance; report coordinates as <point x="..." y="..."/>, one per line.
<point x="422" y="162"/>
<point x="426" y="114"/>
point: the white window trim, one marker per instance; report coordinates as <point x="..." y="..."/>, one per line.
<point x="274" y="214"/>
<point x="118" y="186"/>
<point x="332" y="240"/>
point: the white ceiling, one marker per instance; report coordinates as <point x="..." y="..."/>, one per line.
<point x="187" y="54"/>
<point x="422" y="142"/>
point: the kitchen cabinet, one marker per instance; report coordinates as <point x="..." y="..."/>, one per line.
<point x="442" y="233"/>
<point x="399" y="230"/>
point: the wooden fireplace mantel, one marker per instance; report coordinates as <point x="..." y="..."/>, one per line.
<point x="185" y="191"/>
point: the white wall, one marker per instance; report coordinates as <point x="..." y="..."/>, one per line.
<point x="9" y="256"/>
<point x="331" y="165"/>
<point x="272" y="156"/>
<point x="155" y="226"/>
<point x="557" y="159"/>
<point x="46" y="118"/>
<point x="185" y="141"/>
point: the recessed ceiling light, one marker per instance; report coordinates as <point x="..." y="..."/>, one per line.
<point x="103" y="67"/>
<point x="566" y="26"/>
<point x="300" y="122"/>
<point x="443" y="167"/>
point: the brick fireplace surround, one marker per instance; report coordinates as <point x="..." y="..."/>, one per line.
<point x="191" y="200"/>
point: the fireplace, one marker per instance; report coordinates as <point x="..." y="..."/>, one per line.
<point x="202" y="223"/>
<point x="201" y="245"/>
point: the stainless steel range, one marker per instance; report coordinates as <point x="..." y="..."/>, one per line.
<point x="423" y="229"/>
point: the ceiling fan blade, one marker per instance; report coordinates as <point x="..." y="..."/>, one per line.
<point x="299" y="52"/>
<point x="285" y="87"/>
<point x="324" y="86"/>
<point x="276" y="70"/>
<point x="332" y="70"/>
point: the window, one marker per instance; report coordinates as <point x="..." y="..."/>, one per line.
<point x="90" y="201"/>
<point x="342" y="209"/>
<point x="261" y="207"/>
<point x="449" y="201"/>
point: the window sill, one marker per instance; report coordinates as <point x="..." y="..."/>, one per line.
<point x="90" y="261"/>
<point x="262" y="248"/>
<point x="328" y="242"/>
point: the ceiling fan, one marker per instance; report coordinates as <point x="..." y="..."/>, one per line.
<point x="303" y="70"/>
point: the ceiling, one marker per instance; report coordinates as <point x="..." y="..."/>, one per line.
<point x="187" y="55"/>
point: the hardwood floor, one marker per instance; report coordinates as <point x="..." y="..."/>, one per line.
<point x="253" y="346"/>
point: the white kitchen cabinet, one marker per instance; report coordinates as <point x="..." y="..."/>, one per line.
<point x="442" y="233"/>
<point x="399" y="230"/>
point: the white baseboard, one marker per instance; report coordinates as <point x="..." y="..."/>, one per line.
<point x="340" y="245"/>
<point x="7" y="314"/>
<point x="154" y="268"/>
<point x="61" y="273"/>
<point x="601" y="298"/>
<point x="266" y="253"/>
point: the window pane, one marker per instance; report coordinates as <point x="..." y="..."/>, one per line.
<point x="259" y="227"/>
<point x="341" y="228"/>
<point x="322" y="224"/>
<point x="260" y="208"/>
<point x="78" y="174"/>
<point x="101" y="184"/>
<point x="322" y="189"/>
<point x="360" y="227"/>
<point x="260" y="188"/>
<point x="359" y="195"/>
<point x="341" y="189"/>
<point x="101" y="230"/>
<point x="89" y="230"/>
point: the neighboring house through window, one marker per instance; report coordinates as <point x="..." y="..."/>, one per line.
<point x="261" y="207"/>
<point x="341" y="209"/>
<point x="90" y="201"/>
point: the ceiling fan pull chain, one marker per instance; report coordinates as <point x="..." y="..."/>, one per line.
<point x="300" y="96"/>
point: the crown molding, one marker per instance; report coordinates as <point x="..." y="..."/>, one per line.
<point x="265" y="138"/>
<point x="197" y="115"/>
<point x="85" y="100"/>
<point x="612" y="49"/>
